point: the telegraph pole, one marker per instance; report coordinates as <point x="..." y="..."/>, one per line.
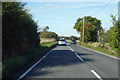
<point x="83" y="32"/>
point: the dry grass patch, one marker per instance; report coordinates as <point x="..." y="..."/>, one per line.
<point x="107" y="49"/>
<point x="46" y="40"/>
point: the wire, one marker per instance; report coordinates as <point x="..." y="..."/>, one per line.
<point x="102" y="8"/>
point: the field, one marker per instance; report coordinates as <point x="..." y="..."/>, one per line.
<point x="46" y="40"/>
<point x="70" y="40"/>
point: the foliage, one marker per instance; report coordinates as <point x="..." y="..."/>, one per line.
<point x="91" y="26"/>
<point x="113" y="35"/>
<point x="98" y="48"/>
<point x="13" y="65"/>
<point x="63" y="37"/>
<point x="46" y="28"/>
<point x="73" y="37"/>
<point x="46" y="34"/>
<point x="101" y="37"/>
<point x="19" y="29"/>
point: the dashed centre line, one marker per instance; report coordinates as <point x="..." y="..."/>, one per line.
<point x="96" y="75"/>
<point x="93" y="71"/>
<point x="77" y="55"/>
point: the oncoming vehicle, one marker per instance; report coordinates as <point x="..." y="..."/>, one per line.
<point x="73" y="41"/>
<point x="62" y="42"/>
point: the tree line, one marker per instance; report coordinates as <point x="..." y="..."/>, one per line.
<point x="94" y="32"/>
<point x="19" y="31"/>
<point x="47" y="34"/>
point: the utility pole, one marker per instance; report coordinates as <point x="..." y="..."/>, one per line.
<point x="83" y="32"/>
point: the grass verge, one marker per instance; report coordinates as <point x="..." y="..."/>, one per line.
<point x="103" y="50"/>
<point x="11" y="66"/>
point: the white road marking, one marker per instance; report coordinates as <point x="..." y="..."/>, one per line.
<point x="79" y="57"/>
<point x="96" y="75"/>
<point x="71" y="49"/>
<point x="100" y="53"/>
<point x="76" y="54"/>
<point x="33" y="66"/>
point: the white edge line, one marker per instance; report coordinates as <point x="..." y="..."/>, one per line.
<point x="96" y="74"/>
<point x="79" y="57"/>
<point x="100" y="52"/>
<point x="33" y="66"/>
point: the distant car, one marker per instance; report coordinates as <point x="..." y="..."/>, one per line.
<point x="62" y="42"/>
<point x="73" y="41"/>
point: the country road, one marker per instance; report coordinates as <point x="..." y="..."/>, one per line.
<point x="73" y="61"/>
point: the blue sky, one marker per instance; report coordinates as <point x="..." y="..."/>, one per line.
<point x="61" y="16"/>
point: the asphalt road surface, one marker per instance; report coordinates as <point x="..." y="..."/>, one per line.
<point x="73" y="61"/>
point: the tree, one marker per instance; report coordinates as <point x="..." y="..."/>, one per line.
<point x="113" y="35"/>
<point x="72" y="37"/>
<point x="46" y="28"/>
<point x="101" y="37"/>
<point x="91" y="26"/>
<point x="19" y="29"/>
<point x="46" y="34"/>
<point x="113" y="19"/>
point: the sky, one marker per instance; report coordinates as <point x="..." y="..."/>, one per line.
<point x="61" y="16"/>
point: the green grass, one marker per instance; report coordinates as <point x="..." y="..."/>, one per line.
<point x="48" y="44"/>
<point x="116" y="54"/>
<point x="11" y="66"/>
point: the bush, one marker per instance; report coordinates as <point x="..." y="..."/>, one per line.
<point x="11" y="66"/>
<point x="19" y="30"/>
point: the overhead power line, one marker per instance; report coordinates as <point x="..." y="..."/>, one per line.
<point x="102" y="8"/>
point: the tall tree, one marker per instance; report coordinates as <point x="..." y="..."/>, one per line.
<point x="91" y="26"/>
<point x="113" y="35"/>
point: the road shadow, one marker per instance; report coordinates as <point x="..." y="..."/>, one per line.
<point x="83" y="55"/>
<point x="57" y="58"/>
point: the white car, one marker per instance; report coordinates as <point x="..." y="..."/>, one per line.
<point x="62" y="42"/>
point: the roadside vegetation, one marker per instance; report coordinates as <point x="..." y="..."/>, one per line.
<point x="21" y="40"/>
<point x="46" y="40"/>
<point x="95" y="37"/>
<point x="45" y="34"/>
<point x="107" y="49"/>
<point x="13" y="65"/>
<point x="19" y="30"/>
<point x="22" y="44"/>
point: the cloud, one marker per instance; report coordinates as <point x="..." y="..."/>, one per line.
<point x="108" y="21"/>
<point x="53" y="6"/>
<point x="41" y="7"/>
<point x="50" y="6"/>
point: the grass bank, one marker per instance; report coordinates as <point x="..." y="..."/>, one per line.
<point x="11" y="66"/>
<point x="103" y="50"/>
